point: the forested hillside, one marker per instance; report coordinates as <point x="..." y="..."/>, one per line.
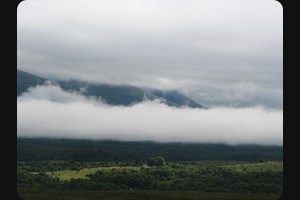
<point x="101" y="150"/>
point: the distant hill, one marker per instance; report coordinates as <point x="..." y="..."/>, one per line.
<point x="39" y="149"/>
<point x="111" y="94"/>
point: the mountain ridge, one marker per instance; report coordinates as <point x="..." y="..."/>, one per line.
<point x="125" y="94"/>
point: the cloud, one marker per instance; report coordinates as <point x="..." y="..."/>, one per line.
<point x="69" y="115"/>
<point x="204" y="46"/>
<point x="52" y="93"/>
<point x="242" y="94"/>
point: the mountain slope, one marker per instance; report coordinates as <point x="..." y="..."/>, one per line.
<point x="112" y="94"/>
<point x="26" y="80"/>
<point x="175" y="96"/>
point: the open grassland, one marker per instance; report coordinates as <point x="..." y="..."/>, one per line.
<point x="66" y="175"/>
<point x="56" y="194"/>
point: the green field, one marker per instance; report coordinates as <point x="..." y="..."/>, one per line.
<point x="55" y="194"/>
<point x="66" y="175"/>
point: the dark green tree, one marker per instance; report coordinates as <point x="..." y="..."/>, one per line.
<point x="156" y="161"/>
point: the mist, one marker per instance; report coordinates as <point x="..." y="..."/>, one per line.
<point x="48" y="111"/>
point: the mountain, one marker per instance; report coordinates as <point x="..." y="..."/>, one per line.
<point x="112" y="94"/>
<point x="175" y="96"/>
<point x="26" y="80"/>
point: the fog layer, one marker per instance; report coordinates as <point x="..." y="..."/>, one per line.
<point x="47" y="111"/>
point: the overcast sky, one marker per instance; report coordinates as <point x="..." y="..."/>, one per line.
<point x="219" y="52"/>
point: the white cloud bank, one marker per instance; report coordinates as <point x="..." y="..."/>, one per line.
<point x="48" y="111"/>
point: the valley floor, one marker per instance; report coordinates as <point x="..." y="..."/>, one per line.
<point x="110" y="170"/>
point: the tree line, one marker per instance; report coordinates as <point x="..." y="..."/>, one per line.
<point x="29" y="149"/>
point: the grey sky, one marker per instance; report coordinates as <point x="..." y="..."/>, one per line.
<point x="219" y="52"/>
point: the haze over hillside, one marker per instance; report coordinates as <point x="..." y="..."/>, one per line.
<point x="111" y="94"/>
<point x="160" y="70"/>
<point x="72" y="109"/>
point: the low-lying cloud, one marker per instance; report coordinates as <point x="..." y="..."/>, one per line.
<point x="48" y="111"/>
